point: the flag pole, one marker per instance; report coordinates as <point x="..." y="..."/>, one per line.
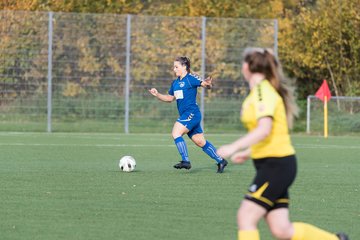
<point x="325" y="118"/>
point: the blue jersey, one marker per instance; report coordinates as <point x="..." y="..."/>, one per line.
<point x="185" y="91"/>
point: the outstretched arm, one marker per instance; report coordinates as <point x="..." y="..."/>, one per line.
<point x="161" y="97"/>
<point x="262" y="130"/>
<point x="241" y="156"/>
<point x="207" y="83"/>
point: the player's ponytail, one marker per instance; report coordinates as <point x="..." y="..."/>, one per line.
<point x="184" y="61"/>
<point x="281" y="84"/>
<point x="263" y="61"/>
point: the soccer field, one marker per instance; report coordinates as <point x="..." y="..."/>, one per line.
<point x="68" y="186"/>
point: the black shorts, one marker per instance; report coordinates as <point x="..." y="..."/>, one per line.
<point x="274" y="175"/>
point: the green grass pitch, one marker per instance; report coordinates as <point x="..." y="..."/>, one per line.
<point x="68" y="186"/>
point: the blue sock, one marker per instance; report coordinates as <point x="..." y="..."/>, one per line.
<point x="181" y="146"/>
<point x="210" y="150"/>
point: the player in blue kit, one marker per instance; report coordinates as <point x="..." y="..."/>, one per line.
<point x="184" y="90"/>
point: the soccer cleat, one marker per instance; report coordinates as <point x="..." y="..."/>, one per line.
<point x="183" y="164"/>
<point x="342" y="236"/>
<point x="221" y="166"/>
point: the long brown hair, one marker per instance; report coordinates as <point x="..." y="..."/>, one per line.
<point x="263" y="61"/>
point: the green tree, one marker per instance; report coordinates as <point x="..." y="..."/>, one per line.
<point x="323" y="43"/>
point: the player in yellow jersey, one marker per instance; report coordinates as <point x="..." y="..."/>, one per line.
<point x="268" y="113"/>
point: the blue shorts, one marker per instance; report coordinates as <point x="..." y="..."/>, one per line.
<point x="191" y="120"/>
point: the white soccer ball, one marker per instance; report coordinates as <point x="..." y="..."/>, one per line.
<point x="127" y="164"/>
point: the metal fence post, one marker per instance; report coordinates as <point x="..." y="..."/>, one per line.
<point x="203" y="67"/>
<point x="127" y="84"/>
<point x="276" y="28"/>
<point x="49" y="74"/>
<point x="308" y="100"/>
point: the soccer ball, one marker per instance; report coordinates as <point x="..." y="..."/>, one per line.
<point x="127" y="164"/>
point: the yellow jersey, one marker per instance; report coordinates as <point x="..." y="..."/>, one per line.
<point x="264" y="101"/>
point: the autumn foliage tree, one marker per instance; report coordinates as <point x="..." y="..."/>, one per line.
<point x="322" y="42"/>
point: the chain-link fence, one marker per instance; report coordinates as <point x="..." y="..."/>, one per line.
<point x="91" y="72"/>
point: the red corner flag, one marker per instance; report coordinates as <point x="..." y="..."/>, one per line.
<point x="323" y="92"/>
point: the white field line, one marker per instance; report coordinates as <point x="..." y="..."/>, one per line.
<point x="326" y="146"/>
<point x="305" y="146"/>
<point x="83" y="145"/>
<point x="100" y="136"/>
<point x="157" y="136"/>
